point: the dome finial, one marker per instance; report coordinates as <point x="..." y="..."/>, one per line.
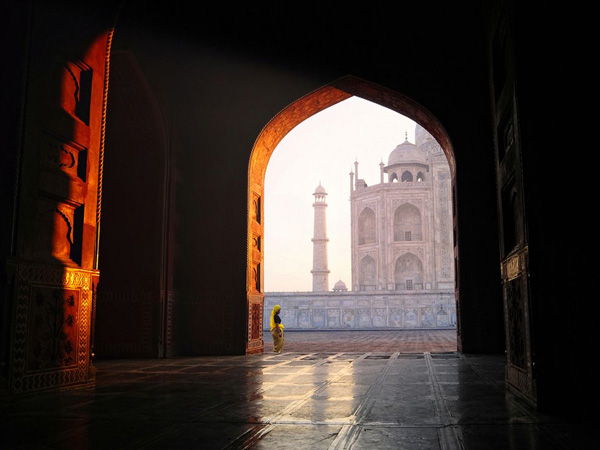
<point x="406" y="135"/>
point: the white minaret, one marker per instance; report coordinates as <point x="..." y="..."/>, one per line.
<point x="320" y="271"/>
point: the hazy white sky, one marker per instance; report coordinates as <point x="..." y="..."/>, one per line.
<point x="322" y="149"/>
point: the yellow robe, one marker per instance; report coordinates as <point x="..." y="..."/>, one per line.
<point x="276" y="331"/>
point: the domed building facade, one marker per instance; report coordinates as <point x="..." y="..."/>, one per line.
<point x="401" y="227"/>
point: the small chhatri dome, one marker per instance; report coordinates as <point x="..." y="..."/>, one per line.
<point x="406" y="153"/>
<point x="320" y="190"/>
<point x="340" y="286"/>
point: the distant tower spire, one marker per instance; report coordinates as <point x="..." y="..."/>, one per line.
<point x="381" y="166"/>
<point x="320" y="271"/>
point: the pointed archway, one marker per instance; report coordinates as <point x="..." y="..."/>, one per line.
<point x="266" y="143"/>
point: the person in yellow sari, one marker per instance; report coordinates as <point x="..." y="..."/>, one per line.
<point x="277" y="329"/>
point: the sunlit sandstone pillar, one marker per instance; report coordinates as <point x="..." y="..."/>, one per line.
<point x="320" y="271"/>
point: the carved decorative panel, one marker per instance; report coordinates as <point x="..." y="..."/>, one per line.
<point x="371" y="205"/>
<point x="318" y="318"/>
<point x="348" y="318"/>
<point x="65" y="156"/>
<point x="54" y="231"/>
<point x="53" y="316"/>
<point x="256" y="321"/>
<point x="418" y="202"/>
<point x="333" y="318"/>
<point x="419" y="251"/>
<point x="364" y="318"/>
<point x="254" y="341"/>
<point x="256" y="278"/>
<point x="515" y="310"/>
<point x="171" y="299"/>
<point x="519" y="372"/>
<point x="77" y="90"/>
<point x="256" y="208"/>
<point x="371" y="253"/>
<point x="445" y="224"/>
<point x="52" y="327"/>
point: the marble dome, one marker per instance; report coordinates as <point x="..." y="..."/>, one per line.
<point x="320" y="190"/>
<point x="406" y="153"/>
<point x="340" y="286"/>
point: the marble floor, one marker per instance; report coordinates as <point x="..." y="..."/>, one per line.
<point x="293" y="400"/>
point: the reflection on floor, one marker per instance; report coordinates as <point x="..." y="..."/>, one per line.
<point x="403" y="341"/>
<point x="293" y="400"/>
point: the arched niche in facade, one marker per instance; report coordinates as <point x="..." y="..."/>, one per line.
<point x="367" y="227"/>
<point x="408" y="272"/>
<point x="277" y="128"/>
<point x="407" y="223"/>
<point x="367" y="274"/>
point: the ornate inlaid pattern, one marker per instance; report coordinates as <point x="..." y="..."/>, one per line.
<point x="445" y="224"/>
<point x="418" y="202"/>
<point x="170" y="308"/>
<point x="53" y="316"/>
<point x="52" y="326"/>
<point x="371" y="253"/>
<point x="364" y="317"/>
<point x="255" y="319"/>
<point x="432" y="148"/>
<point x="398" y="251"/>
<point x="520" y="380"/>
<point x="371" y="205"/>
<point x="386" y="310"/>
<point x="380" y="317"/>
<point x="348" y="317"/>
<point x="333" y="318"/>
<point x="395" y="317"/>
<point x="514" y="265"/>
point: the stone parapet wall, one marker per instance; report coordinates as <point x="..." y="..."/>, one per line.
<point x="364" y="310"/>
